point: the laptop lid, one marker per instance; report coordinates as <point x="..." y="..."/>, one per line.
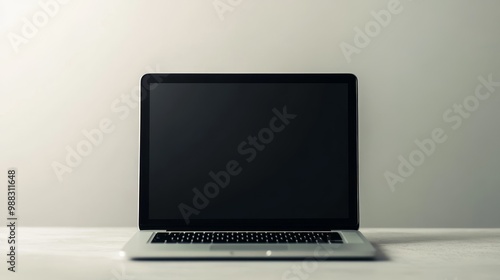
<point x="248" y="152"/>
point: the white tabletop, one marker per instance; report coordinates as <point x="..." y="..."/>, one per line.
<point x="93" y="253"/>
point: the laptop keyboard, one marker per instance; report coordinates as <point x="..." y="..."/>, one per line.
<point x="246" y="237"/>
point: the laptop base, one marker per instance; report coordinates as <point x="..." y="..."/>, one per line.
<point x="355" y="246"/>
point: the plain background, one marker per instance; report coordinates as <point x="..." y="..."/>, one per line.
<point x="82" y="65"/>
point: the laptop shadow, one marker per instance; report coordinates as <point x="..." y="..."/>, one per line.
<point x="431" y="237"/>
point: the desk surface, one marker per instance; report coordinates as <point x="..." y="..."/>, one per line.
<point x="93" y="253"/>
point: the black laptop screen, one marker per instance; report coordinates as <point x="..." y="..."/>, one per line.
<point x="256" y="151"/>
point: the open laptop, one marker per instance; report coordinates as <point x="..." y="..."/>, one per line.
<point x="248" y="166"/>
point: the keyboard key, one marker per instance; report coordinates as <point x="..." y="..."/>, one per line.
<point x="159" y="238"/>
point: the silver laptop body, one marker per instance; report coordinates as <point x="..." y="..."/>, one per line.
<point x="268" y="158"/>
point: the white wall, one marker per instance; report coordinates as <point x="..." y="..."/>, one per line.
<point x="66" y="76"/>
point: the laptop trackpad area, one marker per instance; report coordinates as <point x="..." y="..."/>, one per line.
<point x="248" y="247"/>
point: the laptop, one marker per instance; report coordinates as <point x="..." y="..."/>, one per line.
<point x="248" y="166"/>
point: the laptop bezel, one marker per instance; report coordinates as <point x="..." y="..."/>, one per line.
<point x="349" y="223"/>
